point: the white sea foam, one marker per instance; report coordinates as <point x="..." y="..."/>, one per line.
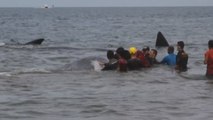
<point x="97" y="65"/>
<point x="6" y="74"/>
<point x="32" y="70"/>
<point x="2" y="44"/>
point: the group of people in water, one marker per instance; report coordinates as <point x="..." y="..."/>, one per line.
<point x="134" y="59"/>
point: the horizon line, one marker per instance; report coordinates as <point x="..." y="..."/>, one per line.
<point x="53" y="6"/>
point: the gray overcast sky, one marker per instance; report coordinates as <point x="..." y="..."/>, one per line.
<point x="103" y="3"/>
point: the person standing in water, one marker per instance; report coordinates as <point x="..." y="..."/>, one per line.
<point x="146" y="60"/>
<point x="112" y="63"/>
<point x="122" y="61"/>
<point x="152" y="57"/>
<point x="170" y="59"/>
<point x="181" y="58"/>
<point x="208" y="59"/>
<point x="134" y="63"/>
<point x="111" y="57"/>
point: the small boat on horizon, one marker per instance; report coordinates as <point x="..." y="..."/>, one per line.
<point x="46" y="6"/>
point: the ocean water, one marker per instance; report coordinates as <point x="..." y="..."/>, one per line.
<point x="56" y="80"/>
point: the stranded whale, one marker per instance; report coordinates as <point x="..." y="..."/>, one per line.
<point x="35" y="42"/>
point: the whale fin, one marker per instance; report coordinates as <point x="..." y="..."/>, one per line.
<point x="35" y="42"/>
<point x="161" y="41"/>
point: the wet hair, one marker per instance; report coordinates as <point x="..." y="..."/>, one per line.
<point x="125" y="54"/>
<point x="119" y="50"/>
<point x="116" y="56"/>
<point x="146" y="48"/>
<point x="155" y="52"/>
<point x="210" y="43"/>
<point x="170" y="49"/>
<point x="181" y="44"/>
<point x="110" y="54"/>
<point x="122" y="54"/>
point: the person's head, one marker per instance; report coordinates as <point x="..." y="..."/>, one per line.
<point x="180" y="45"/>
<point x="119" y="50"/>
<point x="110" y="54"/>
<point x="146" y="50"/>
<point x="125" y="54"/>
<point x="132" y="51"/>
<point x="210" y="44"/>
<point x="116" y="56"/>
<point x="122" y="54"/>
<point x="153" y="53"/>
<point x="170" y="49"/>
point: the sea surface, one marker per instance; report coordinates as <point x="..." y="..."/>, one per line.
<point x="57" y="81"/>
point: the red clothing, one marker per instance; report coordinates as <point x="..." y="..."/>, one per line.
<point x="209" y="58"/>
<point x="140" y="55"/>
<point x="122" y="65"/>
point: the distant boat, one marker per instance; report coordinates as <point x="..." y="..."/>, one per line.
<point x="45" y="6"/>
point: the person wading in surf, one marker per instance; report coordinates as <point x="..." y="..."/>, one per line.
<point x="170" y="59"/>
<point x="208" y="59"/>
<point x="134" y="63"/>
<point x="112" y="63"/>
<point x="124" y="56"/>
<point x="152" y="57"/>
<point x="146" y="60"/>
<point x="181" y="58"/>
